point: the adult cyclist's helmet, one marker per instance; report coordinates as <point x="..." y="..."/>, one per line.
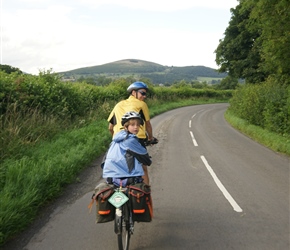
<point x="131" y="115"/>
<point x="136" y="86"/>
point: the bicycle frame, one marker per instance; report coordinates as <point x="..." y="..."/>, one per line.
<point x="124" y="225"/>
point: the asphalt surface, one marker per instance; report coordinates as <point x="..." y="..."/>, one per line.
<point x="212" y="188"/>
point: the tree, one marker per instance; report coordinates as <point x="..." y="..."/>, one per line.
<point x="228" y="83"/>
<point x="239" y="52"/>
<point x="256" y="42"/>
<point x="9" y="69"/>
<point x="274" y="19"/>
<point x="198" y="85"/>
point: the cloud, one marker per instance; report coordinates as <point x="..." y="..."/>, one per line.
<point x="32" y="33"/>
<point x="163" y="5"/>
<point x="66" y="35"/>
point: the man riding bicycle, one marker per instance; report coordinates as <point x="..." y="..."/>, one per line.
<point x="135" y="102"/>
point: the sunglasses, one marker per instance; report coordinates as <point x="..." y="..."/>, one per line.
<point x="142" y="93"/>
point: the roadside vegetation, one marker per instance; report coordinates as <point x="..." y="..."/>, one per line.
<point x="255" y="49"/>
<point x="272" y="140"/>
<point x="262" y="112"/>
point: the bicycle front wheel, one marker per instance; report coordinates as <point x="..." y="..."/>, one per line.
<point x="124" y="235"/>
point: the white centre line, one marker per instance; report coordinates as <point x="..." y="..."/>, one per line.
<point x="235" y="206"/>
<point x="193" y="139"/>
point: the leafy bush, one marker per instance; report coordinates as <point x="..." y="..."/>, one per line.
<point x="277" y="108"/>
<point x="266" y="105"/>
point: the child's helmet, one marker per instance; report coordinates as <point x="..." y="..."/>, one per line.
<point x="131" y="115"/>
<point x="136" y="86"/>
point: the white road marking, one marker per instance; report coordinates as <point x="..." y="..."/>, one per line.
<point x="227" y="195"/>
<point x="189" y="124"/>
<point x="193" y="139"/>
<point x="196" y="113"/>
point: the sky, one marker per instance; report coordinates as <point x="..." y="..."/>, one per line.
<point x="62" y="35"/>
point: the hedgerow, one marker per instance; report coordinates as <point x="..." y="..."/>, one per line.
<point x="266" y="105"/>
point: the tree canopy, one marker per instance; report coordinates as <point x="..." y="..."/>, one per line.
<point x="256" y="42"/>
<point x="9" y="69"/>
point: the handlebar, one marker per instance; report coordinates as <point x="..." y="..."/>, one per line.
<point x="151" y="142"/>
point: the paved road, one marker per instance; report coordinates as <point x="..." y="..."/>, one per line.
<point x="213" y="188"/>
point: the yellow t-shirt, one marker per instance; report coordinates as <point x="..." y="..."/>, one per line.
<point x="130" y="104"/>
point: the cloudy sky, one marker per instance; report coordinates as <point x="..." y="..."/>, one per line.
<point x="67" y="34"/>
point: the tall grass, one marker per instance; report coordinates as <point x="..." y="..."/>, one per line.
<point x="23" y="129"/>
<point x="40" y="153"/>
<point x="19" y="129"/>
<point x="29" y="182"/>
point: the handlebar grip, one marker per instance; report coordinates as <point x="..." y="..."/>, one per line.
<point x="153" y="141"/>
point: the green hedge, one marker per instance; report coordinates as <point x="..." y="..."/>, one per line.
<point x="49" y="94"/>
<point x="266" y="105"/>
<point x="172" y="93"/>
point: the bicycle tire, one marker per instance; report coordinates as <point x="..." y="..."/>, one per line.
<point x="124" y="235"/>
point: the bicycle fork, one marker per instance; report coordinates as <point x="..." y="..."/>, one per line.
<point x="119" y="220"/>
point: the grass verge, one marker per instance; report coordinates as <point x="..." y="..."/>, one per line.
<point x="271" y="140"/>
<point x="40" y="175"/>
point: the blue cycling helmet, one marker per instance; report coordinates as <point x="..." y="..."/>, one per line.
<point x="136" y="86"/>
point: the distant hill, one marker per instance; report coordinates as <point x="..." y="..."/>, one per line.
<point x="138" y="68"/>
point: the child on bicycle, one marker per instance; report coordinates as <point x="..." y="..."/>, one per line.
<point x="126" y="155"/>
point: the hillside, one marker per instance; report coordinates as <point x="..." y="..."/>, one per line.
<point x="143" y="69"/>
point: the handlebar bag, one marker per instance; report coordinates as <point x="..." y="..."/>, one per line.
<point x="141" y="202"/>
<point x="105" y="211"/>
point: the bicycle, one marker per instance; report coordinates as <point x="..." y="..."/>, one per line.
<point x="123" y="223"/>
<point x="132" y="204"/>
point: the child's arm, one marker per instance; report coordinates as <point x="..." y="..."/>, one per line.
<point x="143" y="158"/>
<point x="138" y="151"/>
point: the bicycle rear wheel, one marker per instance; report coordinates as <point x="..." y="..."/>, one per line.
<point x="124" y="235"/>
